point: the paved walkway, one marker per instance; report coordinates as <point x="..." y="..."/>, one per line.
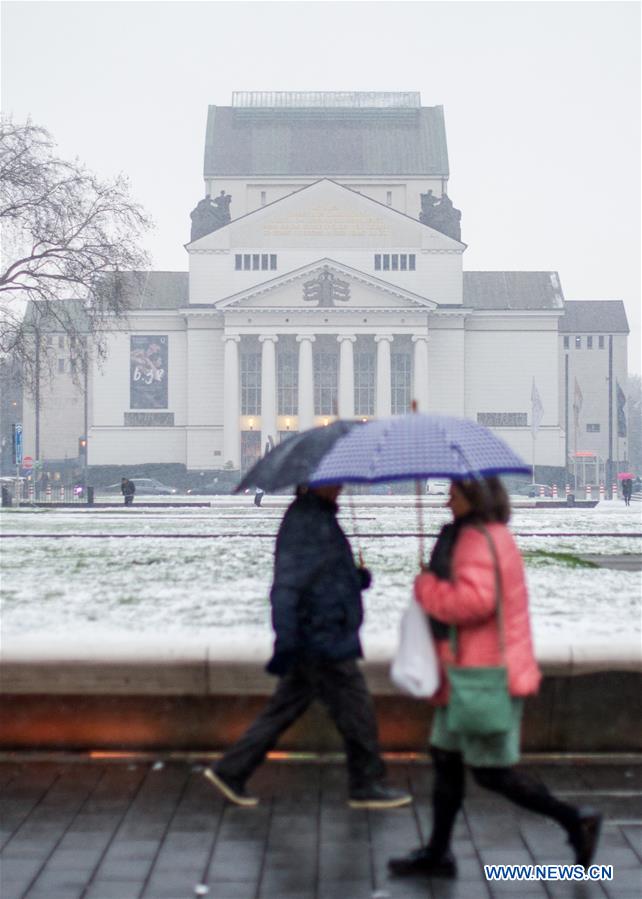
<point x="122" y="830"/>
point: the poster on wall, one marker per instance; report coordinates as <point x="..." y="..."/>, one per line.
<point x="148" y="372"/>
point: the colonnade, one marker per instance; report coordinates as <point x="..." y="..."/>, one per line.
<point x="306" y="416"/>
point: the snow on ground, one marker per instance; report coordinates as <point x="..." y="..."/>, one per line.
<point x="217" y="574"/>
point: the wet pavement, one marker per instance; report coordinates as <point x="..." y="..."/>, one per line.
<point x="138" y="829"/>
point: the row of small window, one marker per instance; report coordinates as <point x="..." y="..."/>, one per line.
<point x="326" y="383"/>
<point x="61" y="341"/>
<point x="255" y="262"/>
<point x="589" y="342"/>
<point x="395" y="262"/>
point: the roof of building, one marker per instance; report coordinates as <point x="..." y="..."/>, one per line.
<point x="156" y="290"/>
<point x="327" y="134"/>
<point x="599" y="316"/>
<point x="513" y="290"/>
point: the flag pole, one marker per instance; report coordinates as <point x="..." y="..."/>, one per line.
<point x="533" y="457"/>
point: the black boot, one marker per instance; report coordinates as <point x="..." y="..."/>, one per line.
<point x="584" y="834"/>
<point x="424" y="862"/>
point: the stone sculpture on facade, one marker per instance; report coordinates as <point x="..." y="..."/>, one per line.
<point x="210" y="214"/>
<point x="325" y="289"/>
<point x="440" y="214"/>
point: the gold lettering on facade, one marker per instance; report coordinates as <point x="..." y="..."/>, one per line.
<point x="327" y="221"/>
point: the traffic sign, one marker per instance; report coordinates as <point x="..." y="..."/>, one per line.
<point x="27" y="462"/>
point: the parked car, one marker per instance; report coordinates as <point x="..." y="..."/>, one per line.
<point x="534" y="490"/>
<point x="437" y="488"/>
<point x="223" y="484"/>
<point x="144" y="487"/>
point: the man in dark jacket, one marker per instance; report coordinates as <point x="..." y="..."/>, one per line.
<point x="128" y="489"/>
<point x="316" y="615"/>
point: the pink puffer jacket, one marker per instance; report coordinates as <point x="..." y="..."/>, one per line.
<point x="468" y="600"/>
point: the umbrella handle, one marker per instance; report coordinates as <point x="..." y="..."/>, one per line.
<point x="420" y="522"/>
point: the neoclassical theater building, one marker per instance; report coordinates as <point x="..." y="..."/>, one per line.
<point x="326" y="278"/>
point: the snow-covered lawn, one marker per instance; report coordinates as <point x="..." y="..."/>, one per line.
<point x="215" y="573"/>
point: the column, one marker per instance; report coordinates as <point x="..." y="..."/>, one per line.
<point x="306" y="382"/>
<point x="346" y="375"/>
<point x="231" y="405"/>
<point x="268" y="389"/>
<point x="420" y="369"/>
<point x="384" y="390"/>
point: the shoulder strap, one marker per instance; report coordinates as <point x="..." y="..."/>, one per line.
<point x="499" y="604"/>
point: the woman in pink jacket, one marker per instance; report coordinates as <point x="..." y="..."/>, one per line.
<point x="459" y="589"/>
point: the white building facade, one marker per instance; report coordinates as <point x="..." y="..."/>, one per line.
<point x="322" y="294"/>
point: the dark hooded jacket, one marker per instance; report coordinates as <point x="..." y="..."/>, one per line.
<point x="316" y="594"/>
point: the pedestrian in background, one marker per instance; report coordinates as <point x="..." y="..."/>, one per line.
<point x="477" y="565"/>
<point x="627" y="491"/>
<point x="128" y="489"/>
<point x="316" y="615"/>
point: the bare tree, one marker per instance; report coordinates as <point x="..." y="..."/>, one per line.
<point x="634" y="405"/>
<point x="65" y="237"/>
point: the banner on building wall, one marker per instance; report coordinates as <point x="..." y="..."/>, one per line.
<point x="148" y="371"/>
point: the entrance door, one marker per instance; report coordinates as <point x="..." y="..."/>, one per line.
<point x="250" y="449"/>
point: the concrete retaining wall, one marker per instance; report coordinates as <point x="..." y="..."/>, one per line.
<point x="201" y="695"/>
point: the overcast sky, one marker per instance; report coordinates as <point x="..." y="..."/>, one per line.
<point x="541" y="99"/>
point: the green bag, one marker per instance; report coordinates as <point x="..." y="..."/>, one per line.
<point x="479" y="703"/>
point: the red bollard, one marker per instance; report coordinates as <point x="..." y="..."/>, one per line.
<point x="589" y="491"/>
<point x="602" y="492"/>
<point x="554" y="491"/>
<point x="614" y="490"/>
<point x="48" y="493"/>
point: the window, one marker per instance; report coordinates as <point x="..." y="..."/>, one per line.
<point x="287" y="379"/>
<point x="49" y="340"/>
<point x="61" y="342"/>
<point x="250" y="383"/>
<point x="400" y="364"/>
<point x="254" y="262"/>
<point x="388" y="198"/>
<point x="503" y="419"/>
<point x="326" y="377"/>
<point x="589" y="343"/>
<point x="61" y="366"/>
<point x="566" y="343"/>
<point x="578" y="343"/>
<point x="364" y="382"/>
<point x="395" y="262"/>
<point x="593" y="428"/>
<point x="600" y="342"/>
<point x="263" y="198"/>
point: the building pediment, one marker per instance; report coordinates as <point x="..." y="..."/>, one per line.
<point x="322" y="285"/>
<point x="325" y="215"/>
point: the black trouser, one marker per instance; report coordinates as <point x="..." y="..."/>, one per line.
<point x="129" y="499"/>
<point x="448" y="794"/>
<point x="341" y="687"/>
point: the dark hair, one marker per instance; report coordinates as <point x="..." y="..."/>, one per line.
<point x="487" y="497"/>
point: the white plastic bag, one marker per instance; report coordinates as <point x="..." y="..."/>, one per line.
<point x="415" y="668"/>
